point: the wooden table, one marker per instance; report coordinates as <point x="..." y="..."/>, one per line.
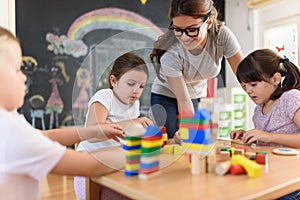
<point x="175" y="181"/>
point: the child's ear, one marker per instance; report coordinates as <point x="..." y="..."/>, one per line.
<point x="276" y="78"/>
<point x="113" y="80"/>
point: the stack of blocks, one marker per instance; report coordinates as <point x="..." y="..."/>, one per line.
<point x="132" y="149"/>
<point x="150" y="149"/>
<point x="142" y="153"/>
<point x="195" y="134"/>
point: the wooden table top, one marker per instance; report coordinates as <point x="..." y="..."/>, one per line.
<point x="279" y="177"/>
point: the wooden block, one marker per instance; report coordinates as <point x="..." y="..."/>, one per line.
<point x="252" y="168"/>
<point x="237" y="141"/>
<point x="223" y="156"/>
<point x="168" y="149"/>
<point x="222" y="168"/>
<point x="250" y="155"/>
<point x="239" y="152"/>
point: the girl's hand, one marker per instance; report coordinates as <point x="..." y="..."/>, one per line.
<point x="255" y="134"/>
<point x="111" y="131"/>
<point x="144" y="121"/>
<point x="177" y="138"/>
<point x="237" y="134"/>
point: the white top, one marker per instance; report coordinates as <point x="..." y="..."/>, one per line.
<point x="196" y="70"/>
<point x="117" y="111"/>
<point x="26" y="156"/>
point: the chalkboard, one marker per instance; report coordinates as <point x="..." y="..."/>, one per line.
<point x="47" y="31"/>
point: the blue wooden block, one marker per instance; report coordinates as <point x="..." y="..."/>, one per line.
<point x="125" y="147"/>
<point x="149" y="165"/>
<point x="152" y="130"/>
<point x="197" y="136"/>
<point x="202" y="114"/>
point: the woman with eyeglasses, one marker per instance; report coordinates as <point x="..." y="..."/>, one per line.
<point x="185" y="56"/>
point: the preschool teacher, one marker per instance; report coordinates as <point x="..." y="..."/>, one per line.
<point x="185" y="56"/>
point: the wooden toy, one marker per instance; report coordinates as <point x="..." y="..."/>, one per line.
<point x="252" y="168"/>
<point x="195" y="133"/>
<point x="150" y="151"/>
<point x="237" y="169"/>
<point x="223" y="167"/>
<point x="285" y="151"/>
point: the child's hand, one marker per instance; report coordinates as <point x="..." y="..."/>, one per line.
<point x="177" y="138"/>
<point x="237" y="134"/>
<point x="144" y="121"/>
<point x="112" y="131"/>
<point x="255" y="134"/>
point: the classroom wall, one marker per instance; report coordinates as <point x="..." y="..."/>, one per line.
<point x="249" y="24"/>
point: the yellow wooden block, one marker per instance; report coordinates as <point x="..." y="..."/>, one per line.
<point x="164" y="137"/>
<point x="132" y="167"/>
<point x="252" y="168"/>
<point x="133" y="143"/>
<point x="184" y="133"/>
<point x="232" y="150"/>
<point x="168" y="149"/>
<point x="192" y="146"/>
<point x="150" y="144"/>
<point x="178" y="150"/>
<point x="133" y="152"/>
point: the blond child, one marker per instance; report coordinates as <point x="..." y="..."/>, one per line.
<point x="28" y="154"/>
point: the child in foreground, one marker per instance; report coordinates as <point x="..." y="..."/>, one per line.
<point x="28" y="154"/>
<point x="273" y="83"/>
<point x="118" y="104"/>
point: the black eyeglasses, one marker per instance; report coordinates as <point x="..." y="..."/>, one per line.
<point x="191" y="32"/>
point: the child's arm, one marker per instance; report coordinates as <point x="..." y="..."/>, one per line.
<point x="100" y="162"/>
<point x="98" y="114"/>
<point x="144" y="121"/>
<point x="69" y="136"/>
<point x="291" y="140"/>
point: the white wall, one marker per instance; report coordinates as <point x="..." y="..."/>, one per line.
<point x="7" y="17"/>
<point x="249" y="24"/>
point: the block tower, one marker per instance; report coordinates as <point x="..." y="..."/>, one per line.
<point x="150" y="151"/>
<point x="142" y="152"/>
<point x="196" y="136"/>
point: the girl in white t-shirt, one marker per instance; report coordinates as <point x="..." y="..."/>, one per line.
<point x="117" y="104"/>
<point x="28" y="154"/>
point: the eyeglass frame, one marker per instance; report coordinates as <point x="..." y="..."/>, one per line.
<point x="185" y="29"/>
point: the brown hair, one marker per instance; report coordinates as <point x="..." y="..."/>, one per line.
<point x="126" y="62"/>
<point x="262" y="64"/>
<point x="194" y="8"/>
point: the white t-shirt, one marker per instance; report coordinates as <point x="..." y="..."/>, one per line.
<point x="178" y="61"/>
<point x="26" y="156"/>
<point x="117" y="111"/>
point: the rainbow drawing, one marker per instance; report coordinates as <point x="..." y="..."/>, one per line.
<point x="114" y="19"/>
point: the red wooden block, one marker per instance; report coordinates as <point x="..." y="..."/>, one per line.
<point x="237" y="169"/>
<point x="262" y="158"/>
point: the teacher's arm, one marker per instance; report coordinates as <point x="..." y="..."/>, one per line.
<point x="180" y="90"/>
<point x="235" y="60"/>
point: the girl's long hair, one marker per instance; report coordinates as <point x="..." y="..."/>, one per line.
<point x="194" y="8"/>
